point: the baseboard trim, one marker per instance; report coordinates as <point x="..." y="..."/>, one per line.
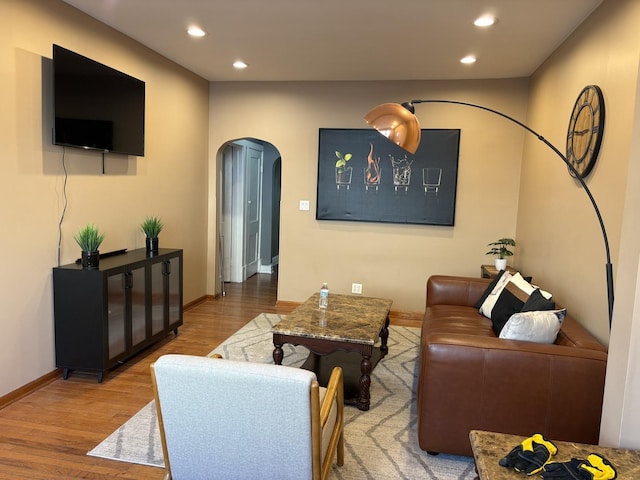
<point x="30" y="387"/>
<point x="198" y="301"/>
<point x="406" y="319"/>
<point x="283" y="306"/>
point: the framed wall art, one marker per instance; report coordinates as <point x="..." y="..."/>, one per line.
<point x="364" y="177"/>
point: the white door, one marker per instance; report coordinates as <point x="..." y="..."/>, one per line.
<point x="253" y="207"/>
<point x="241" y="185"/>
<point x="232" y="213"/>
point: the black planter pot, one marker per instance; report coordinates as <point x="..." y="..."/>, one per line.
<point x="90" y="260"/>
<point x="152" y="245"/>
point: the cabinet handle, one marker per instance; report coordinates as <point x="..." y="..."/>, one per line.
<point x="167" y="267"/>
<point x="127" y="280"/>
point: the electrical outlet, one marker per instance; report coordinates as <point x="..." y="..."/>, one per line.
<point x="356" y="288"/>
<point x="304" y="205"/>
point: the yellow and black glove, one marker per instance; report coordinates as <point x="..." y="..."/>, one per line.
<point x="599" y="467"/>
<point x="530" y="456"/>
<point x="595" y="467"/>
<point x="570" y="470"/>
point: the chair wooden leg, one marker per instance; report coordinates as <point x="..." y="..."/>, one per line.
<point x="163" y="439"/>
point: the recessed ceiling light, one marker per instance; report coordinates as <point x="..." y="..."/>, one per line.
<point x="468" y="59"/>
<point x="196" y="31"/>
<point x="239" y="64"/>
<point x="485" y="21"/>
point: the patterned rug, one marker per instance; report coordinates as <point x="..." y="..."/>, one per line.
<point x="380" y="444"/>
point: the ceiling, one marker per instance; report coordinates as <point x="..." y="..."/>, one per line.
<point x="324" y="40"/>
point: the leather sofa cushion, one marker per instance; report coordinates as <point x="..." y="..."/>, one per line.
<point x="457" y="319"/>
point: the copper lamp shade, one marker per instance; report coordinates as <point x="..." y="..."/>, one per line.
<point x="397" y="123"/>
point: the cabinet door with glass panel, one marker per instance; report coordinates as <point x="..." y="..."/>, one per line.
<point x="166" y="293"/>
<point x="126" y="320"/>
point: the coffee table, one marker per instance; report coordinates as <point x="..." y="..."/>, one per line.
<point x="348" y="330"/>
<point x="490" y="447"/>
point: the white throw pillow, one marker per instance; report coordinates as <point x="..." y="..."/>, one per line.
<point x="527" y="287"/>
<point x="536" y="326"/>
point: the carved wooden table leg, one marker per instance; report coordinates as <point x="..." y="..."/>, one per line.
<point x="278" y="354"/>
<point x="364" y="401"/>
<point x="384" y="336"/>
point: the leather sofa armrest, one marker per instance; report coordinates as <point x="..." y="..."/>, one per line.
<point x="483" y="383"/>
<point x="451" y="290"/>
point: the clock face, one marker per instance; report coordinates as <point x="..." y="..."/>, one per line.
<point x="586" y="127"/>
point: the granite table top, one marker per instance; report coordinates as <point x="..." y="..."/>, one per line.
<point x="490" y="447"/>
<point x="348" y="318"/>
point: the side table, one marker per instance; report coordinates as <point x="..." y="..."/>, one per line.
<point x="490" y="271"/>
<point x="490" y="447"/>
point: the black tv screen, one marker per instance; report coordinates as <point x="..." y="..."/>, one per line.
<point x="95" y="106"/>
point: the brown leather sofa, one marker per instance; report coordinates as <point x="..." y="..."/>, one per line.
<point x="471" y="380"/>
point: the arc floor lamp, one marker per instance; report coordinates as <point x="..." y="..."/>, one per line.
<point x="398" y="123"/>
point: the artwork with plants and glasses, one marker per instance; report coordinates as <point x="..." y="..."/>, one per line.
<point x="363" y="177"/>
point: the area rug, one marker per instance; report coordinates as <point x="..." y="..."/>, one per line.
<point x="380" y="443"/>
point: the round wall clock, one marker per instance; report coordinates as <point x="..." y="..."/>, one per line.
<point x="586" y="127"/>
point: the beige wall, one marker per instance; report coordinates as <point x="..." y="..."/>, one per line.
<point x="389" y="260"/>
<point x="560" y="238"/>
<point x="169" y="181"/>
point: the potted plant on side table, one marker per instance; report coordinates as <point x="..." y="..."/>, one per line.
<point x="501" y="249"/>
<point x="89" y="239"/>
<point x="151" y="227"/>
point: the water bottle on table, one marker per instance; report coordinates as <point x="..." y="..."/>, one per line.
<point x="324" y="296"/>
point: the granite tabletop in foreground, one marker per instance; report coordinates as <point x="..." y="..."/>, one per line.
<point x="490" y="447"/>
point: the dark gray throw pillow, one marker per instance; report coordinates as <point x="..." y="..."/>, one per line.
<point x="537" y="301"/>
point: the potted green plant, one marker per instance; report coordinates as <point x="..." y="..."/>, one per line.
<point x="500" y="248"/>
<point x="151" y="227"/>
<point x="89" y="239"/>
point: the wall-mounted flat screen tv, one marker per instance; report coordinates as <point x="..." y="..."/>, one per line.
<point x="96" y="107"/>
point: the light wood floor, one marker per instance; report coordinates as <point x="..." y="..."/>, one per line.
<point x="47" y="434"/>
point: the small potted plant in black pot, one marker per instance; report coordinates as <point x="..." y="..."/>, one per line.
<point x="151" y="227"/>
<point x="89" y="239"/>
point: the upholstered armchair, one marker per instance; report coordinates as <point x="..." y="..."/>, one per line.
<point x="240" y="420"/>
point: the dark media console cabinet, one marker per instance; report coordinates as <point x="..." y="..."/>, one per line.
<point x="104" y="316"/>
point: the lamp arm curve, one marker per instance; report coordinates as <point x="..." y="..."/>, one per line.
<point x="576" y="175"/>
